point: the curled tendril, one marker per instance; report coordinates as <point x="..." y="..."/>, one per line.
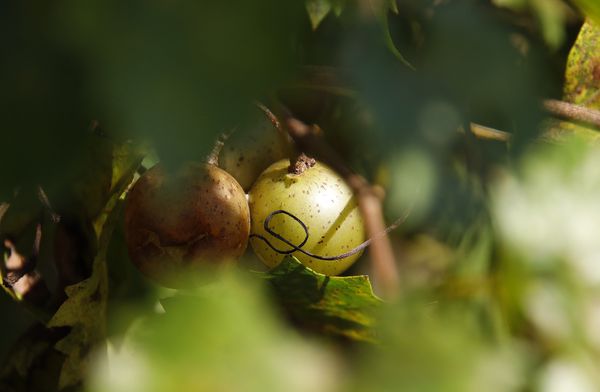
<point x="298" y="248"/>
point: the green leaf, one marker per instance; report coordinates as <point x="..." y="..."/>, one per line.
<point x="186" y="60"/>
<point x="225" y="336"/>
<point x="317" y="11"/>
<point x="331" y="304"/>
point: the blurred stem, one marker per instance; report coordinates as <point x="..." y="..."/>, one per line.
<point x="572" y="112"/>
<point x="43" y="197"/>
<point x="483" y="132"/>
<point x="213" y="156"/>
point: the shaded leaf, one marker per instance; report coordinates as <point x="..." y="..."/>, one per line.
<point x="33" y="364"/>
<point x="225" y="336"/>
<point x="171" y="72"/>
<point x="332" y="304"/>
<point x="90" y="178"/>
<point x="84" y="311"/>
<point x="551" y="15"/>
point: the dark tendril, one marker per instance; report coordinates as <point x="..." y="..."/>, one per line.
<point x="298" y="248"/>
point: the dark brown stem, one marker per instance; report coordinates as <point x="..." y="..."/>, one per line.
<point x="572" y="112"/>
<point x="383" y="262"/>
<point x="302" y="163"/>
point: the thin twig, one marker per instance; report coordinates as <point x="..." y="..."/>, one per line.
<point x="308" y="140"/>
<point x="572" y="112"/>
<point x="487" y="133"/>
<point x="213" y="157"/>
<point x="43" y="197"/>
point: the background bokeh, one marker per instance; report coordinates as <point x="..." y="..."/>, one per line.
<point x="499" y="259"/>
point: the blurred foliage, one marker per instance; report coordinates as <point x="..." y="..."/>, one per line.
<point x="498" y="257"/>
<point x="591" y="9"/>
<point x="546" y="215"/>
<point x="224" y="337"/>
<point x="438" y="347"/>
<point x="551" y="14"/>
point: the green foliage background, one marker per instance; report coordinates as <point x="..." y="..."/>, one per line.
<point x="498" y="259"/>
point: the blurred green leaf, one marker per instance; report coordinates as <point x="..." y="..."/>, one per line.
<point x="319" y="9"/>
<point x="90" y="181"/>
<point x="429" y="346"/>
<point x="222" y="337"/>
<point x="330" y="304"/>
<point x="591" y="8"/>
<point x="181" y="72"/>
<point x="551" y="15"/>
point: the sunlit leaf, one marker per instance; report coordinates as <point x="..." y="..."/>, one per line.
<point x="331" y="304"/>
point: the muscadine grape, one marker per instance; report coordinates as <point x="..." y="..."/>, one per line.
<point x="177" y="222"/>
<point x="252" y="148"/>
<point x="320" y="198"/>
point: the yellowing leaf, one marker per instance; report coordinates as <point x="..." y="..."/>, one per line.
<point x="582" y="84"/>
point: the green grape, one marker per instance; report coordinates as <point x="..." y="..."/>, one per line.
<point x="321" y="200"/>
